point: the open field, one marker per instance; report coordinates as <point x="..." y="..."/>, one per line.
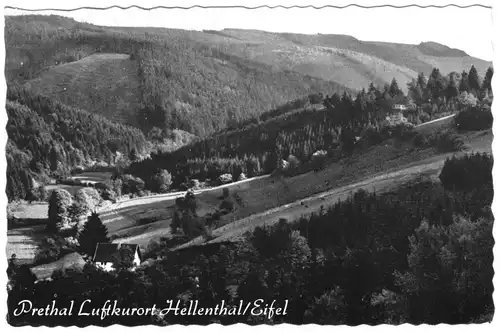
<point x="69" y="261"/>
<point x="122" y="218"/>
<point x="30" y="211"/>
<point x="92" y="177"/>
<point x="106" y="83"/>
<point x="71" y="189"/>
<point x="23" y="242"/>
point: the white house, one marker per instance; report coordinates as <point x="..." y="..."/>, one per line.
<point x="104" y="252"/>
<point x="399" y="107"/>
<point x="395" y="114"/>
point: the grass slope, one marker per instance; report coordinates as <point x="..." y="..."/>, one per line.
<point x="345" y="59"/>
<point x="380" y="166"/>
<point x="103" y="83"/>
<point x="361" y="172"/>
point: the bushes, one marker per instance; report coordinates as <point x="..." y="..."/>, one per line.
<point x="318" y="160"/>
<point x="108" y="195"/>
<point x="467" y="173"/>
<point x="42" y="193"/>
<point x="225" y="178"/>
<point x="51" y="249"/>
<point x="131" y="185"/>
<point x="212" y="219"/>
<point x="88" y="199"/>
<point x="474" y="119"/>
<point x="446" y="142"/>
<point x="403" y="131"/>
<point x="227" y="205"/>
<point x="371" y="136"/>
<point x="161" y="181"/>
<point x="194" y="184"/>
<point x="147" y="220"/>
<point x="420" y="141"/>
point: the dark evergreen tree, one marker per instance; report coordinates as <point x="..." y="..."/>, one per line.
<point x="421" y="81"/>
<point x="93" y="232"/>
<point x="486" y="86"/>
<point x="474" y="81"/>
<point x="394" y="89"/>
<point x="59" y="203"/>
<point x="464" y="83"/>
<point x="436" y="84"/>
<point x="451" y="88"/>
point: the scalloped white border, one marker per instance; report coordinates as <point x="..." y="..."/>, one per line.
<point x="495" y="13"/>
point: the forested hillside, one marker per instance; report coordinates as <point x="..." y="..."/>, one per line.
<point x="299" y="129"/>
<point x="183" y="83"/>
<point x="208" y="84"/>
<point x="203" y="81"/>
<point x="47" y="139"/>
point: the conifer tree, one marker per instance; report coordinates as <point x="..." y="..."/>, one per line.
<point x="436" y="84"/>
<point x="394" y="89"/>
<point x="486" y="87"/>
<point x="464" y="83"/>
<point x="452" y="88"/>
<point x="474" y="82"/>
<point x="59" y="204"/>
<point x="421" y="82"/>
<point x="93" y="232"/>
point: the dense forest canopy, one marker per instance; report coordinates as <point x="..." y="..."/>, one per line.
<point x="47" y="139"/>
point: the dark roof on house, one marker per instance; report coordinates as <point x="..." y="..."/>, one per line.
<point x="104" y="251"/>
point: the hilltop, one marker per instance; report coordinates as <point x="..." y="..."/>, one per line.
<point x="203" y="81"/>
<point x="345" y="59"/>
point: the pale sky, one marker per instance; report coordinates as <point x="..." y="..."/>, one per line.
<point x="468" y="29"/>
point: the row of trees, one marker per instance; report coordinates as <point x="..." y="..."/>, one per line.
<point x="419" y="254"/>
<point x="439" y="88"/>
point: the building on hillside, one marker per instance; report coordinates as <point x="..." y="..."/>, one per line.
<point x="105" y="252"/>
<point x="396" y="114"/>
<point x="399" y="107"/>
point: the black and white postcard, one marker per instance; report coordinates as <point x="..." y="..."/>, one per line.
<point x="205" y="163"/>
